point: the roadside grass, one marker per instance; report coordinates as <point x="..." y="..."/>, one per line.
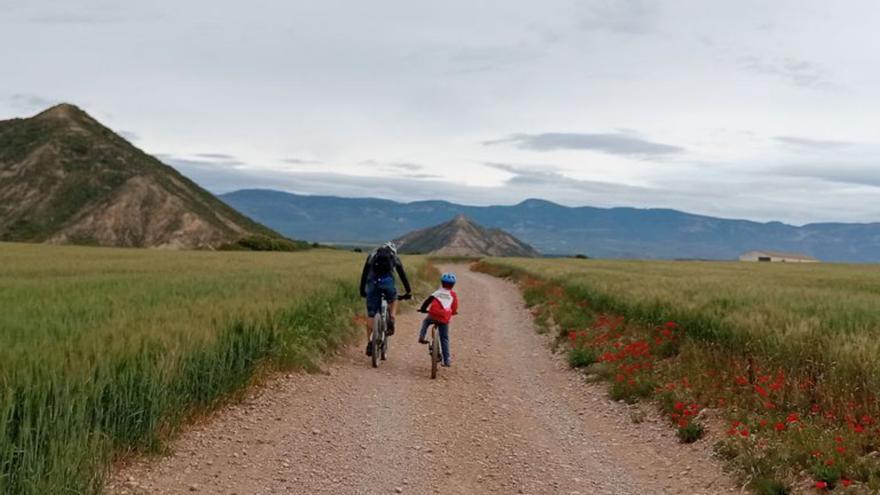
<point x="785" y="356"/>
<point x="107" y="352"/>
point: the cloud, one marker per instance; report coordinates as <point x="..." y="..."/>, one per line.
<point x="812" y="144"/>
<point x="404" y="166"/>
<point x="70" y="18"/>
<point x="860" y="175"/>
<point x="621" y="16"/>
<point x="800" y="73"/>
<point x="620" y="143"/>
<point x="551" y="179"/>
<point x="203" y="162"/>
<point x="216" y="156"/>
<point x="461" y="59"/>
<point x="400" y="169"/>
<point x="129" y="135"/>
<point x="29" y="103"/>
<point x="300" y="161"/>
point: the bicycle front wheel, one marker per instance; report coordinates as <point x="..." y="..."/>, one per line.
<point x="435" y="352"/>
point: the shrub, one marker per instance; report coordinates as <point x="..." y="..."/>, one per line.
<point x="690" y="432"/>
<point x="581" y="357"/>
<point x="259" y="242"/>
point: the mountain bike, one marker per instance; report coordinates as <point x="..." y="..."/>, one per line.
<point x="379" y="336"/>
<point x="434" y="348"/>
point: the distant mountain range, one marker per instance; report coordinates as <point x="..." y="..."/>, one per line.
<point x="560" y="230"/>
<point x="462" y="237"/>
<point x="65" y="178"/>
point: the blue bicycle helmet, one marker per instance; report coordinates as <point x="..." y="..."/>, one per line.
<point x="448" y="278"/>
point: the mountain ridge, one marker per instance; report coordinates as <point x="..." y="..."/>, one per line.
<point x="621" y="232"/>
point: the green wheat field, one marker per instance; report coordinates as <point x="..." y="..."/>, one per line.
<point x="108" y="351"/>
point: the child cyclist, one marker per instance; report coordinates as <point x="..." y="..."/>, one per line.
<point x="440" y="306"/>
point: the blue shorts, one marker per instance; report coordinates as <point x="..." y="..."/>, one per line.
<point x="375" y="290"/>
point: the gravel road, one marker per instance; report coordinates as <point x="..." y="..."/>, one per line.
<point x="508" y="417"/>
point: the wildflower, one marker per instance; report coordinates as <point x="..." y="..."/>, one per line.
<point x="671" y="325"/>
<point x="840" y="450"/>
<point x="829" y="462"/>
<point x="779" y="426"/>
<point x="792" y="418"/>
<point x="846" y="482"/>
<point x="679" y="406"/>
<point x="821" y="485"/>
<point x="760" y="391"/>
<point x="744" y="432"/>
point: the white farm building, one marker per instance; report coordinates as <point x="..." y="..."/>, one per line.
<point x="777" y="257"/>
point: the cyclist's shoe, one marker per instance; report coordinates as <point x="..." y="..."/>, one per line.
<point x="369" y="349"/>
<point x="447" y="364"/>
<point x="423" y="340"/>
<point x="390" y="325"/>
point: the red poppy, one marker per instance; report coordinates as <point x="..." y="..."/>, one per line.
<point x="821" y="485"/>
<point x="845" y="482"/>
<point x="779" y="426"/>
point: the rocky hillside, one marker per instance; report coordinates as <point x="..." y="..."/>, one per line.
<point x="462" y="237"/>
<point x="65" y="178"/>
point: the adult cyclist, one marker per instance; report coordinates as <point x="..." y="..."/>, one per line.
<point x="377" y="279"/>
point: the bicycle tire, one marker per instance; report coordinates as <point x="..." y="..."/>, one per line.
<point x="435" y="352"/>
<point x="375" y="342"/>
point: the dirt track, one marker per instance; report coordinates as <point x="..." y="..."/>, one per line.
<point x="509" y="417"/>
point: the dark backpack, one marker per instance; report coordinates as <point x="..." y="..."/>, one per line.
<point x="383" y="262"/>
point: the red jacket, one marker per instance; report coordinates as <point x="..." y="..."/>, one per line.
<point x="441" y="305"/>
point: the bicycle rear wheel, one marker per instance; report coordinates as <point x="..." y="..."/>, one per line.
<point x="435" y="351"/>
<point x="376" y="340"/>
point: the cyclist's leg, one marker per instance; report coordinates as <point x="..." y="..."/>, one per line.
<point x="374" y="304"/>
<point x="390" y="292"/>
<point x="443" y="330"/>
<point x="423" y="332"/>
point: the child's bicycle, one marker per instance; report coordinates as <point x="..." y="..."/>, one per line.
<point x="434" y="349"/>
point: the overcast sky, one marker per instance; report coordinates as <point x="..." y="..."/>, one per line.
<point x="740" y="108"/>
